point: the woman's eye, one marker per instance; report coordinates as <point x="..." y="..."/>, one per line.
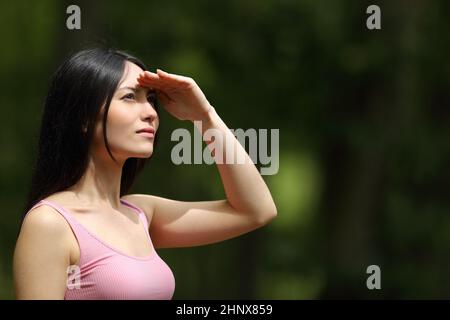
<point x="151" y="98"/>
<point x="129" y="96"/>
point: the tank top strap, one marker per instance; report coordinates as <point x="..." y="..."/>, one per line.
<point x="84" y="238"/>
<point x="71" y="220"/>
<point x="142" y="217"/>
<point x="138" y="210"/>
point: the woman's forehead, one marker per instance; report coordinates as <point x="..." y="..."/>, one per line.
<point x="130" y="74"/>
<point x="129" y="77"/>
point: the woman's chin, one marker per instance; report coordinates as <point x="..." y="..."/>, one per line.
<point x="146" y="154"/>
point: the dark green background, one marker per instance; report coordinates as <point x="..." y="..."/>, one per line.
<point x="364" y="134"/>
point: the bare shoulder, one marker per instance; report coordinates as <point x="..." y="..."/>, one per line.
<point x="45" y="220"/>
<point x="44" y="231"/>
<point x="144" y="201"/>
<point x="43" y="241"/>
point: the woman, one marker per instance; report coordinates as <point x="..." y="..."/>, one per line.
<point x="82" y="236"/>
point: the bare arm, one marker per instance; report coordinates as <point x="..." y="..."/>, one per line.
<point x="249" y="204"/>
<point x="41" y="256"/>
<point x="245" y="188"/>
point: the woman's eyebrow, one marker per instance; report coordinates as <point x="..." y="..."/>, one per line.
<point x="138" y="88"/>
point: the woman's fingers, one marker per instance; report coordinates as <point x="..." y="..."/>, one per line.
<point x="150" y="82"/>
<point x="149" y="74"/>
<point x="165" y="76"/>
<point x="163" y="97"/>
<point x="163" y="80"/>
<point x="163" y="85"/>
<point x="161" y="90"/>
<point x="156" y="80"/>
<point x="150" y="85"/>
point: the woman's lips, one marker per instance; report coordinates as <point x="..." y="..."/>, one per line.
<point x="146" y="134"/>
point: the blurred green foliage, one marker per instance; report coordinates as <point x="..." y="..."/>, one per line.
<point x="363" y="118"/>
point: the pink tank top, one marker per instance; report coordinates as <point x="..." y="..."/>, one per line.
<point x="105" y="273"/>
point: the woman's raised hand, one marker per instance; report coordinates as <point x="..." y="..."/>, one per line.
<point x="179" y="95"/>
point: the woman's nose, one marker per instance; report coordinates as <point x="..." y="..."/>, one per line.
<point x="150" y="110"/>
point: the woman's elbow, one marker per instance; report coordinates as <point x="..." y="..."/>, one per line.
<point x="268" y="215"/>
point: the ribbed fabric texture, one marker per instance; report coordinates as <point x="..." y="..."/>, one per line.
<point x="105" y="273"/>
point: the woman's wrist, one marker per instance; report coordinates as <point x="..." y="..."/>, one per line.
<point x="210" y="119"/>
<point x="207" y="116"/>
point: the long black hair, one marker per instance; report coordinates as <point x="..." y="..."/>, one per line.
<point x="78" y="89"/>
